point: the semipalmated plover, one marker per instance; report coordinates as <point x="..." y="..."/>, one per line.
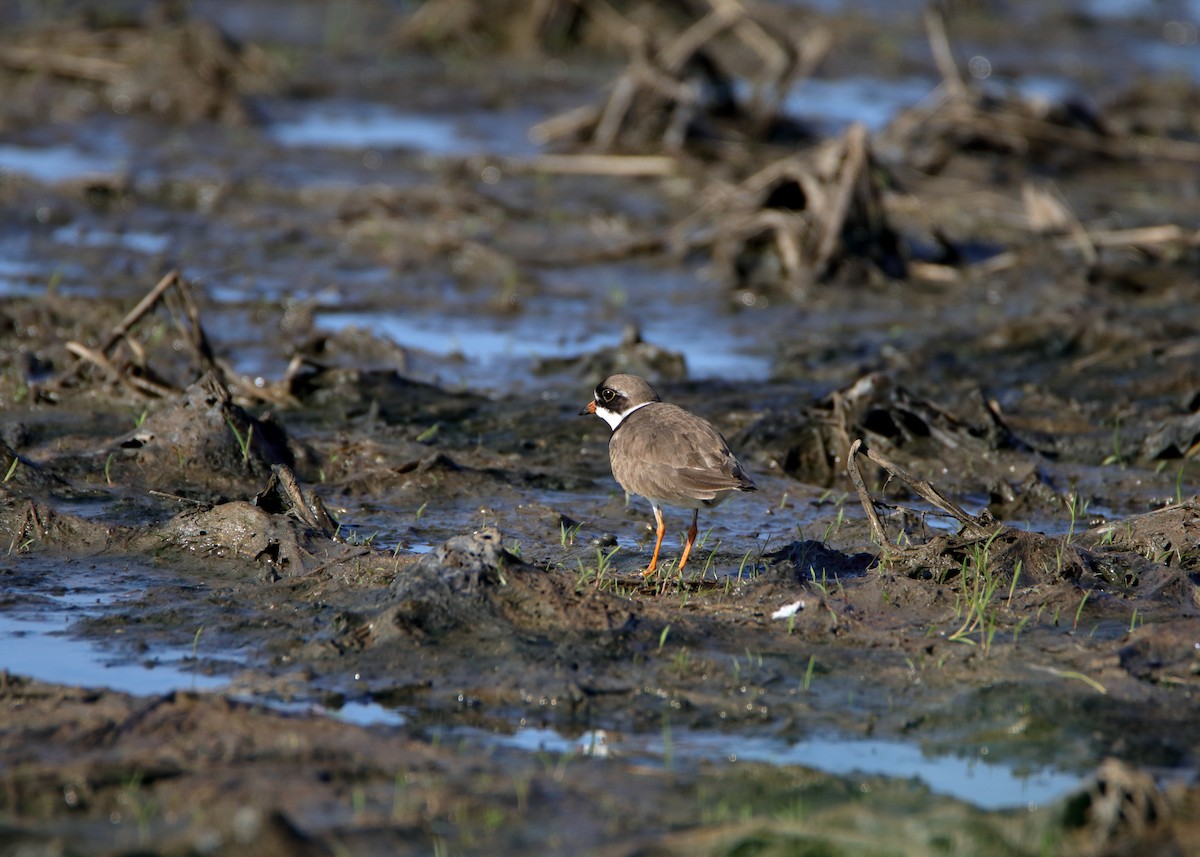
<point x="665" y="454"/>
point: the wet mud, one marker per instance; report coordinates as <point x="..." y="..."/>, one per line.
<point x="295" y="426"/>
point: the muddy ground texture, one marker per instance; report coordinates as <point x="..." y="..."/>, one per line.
<point x="997" y="299"/>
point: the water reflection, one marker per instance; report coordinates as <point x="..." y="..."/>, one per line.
<point x="363" y="126"/>
<point x="55" y="163"/>
<point x="984" y="784"/>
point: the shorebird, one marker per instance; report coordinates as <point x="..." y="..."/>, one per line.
<point x="664" y="454"/>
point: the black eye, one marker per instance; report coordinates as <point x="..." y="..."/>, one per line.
<point x="608" y="394"/>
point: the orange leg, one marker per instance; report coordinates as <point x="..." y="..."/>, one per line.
<point x="691" y="538"/>
<point x="662" y="528"/>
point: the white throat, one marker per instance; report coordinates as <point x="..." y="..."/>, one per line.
<point x="612" y="417"/>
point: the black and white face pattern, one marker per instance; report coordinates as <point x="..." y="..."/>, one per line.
<point x="619" y="396"/>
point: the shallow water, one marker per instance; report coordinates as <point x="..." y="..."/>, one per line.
<point x="56" y="163"/>
<point x="367" y="126"/>
<point x="146" y="243"/>
<point x="972" y="779"/>
<point x="44" y="648"/>
<point x="835" y="103"/>
<point x="500" y="353"/>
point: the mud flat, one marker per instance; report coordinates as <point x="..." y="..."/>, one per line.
<point x="307" y="552"/>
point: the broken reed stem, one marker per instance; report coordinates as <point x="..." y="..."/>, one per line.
<point x="974" y="527"/>
<point x="85" y="356"/>
<point x="680" y="49"/>
<point x="833" y="218"/>
<point x="864" y="496"/>
<point x="135" y="383"/>
<point x="62" y="64"/>
<point x="309" y="509"/>
<point x="182" y="307"/>
<point x="143" y="306"/>
<point x="943" y="55"/>
<point x="194" y="330"/>
<point x="597" y="165"/>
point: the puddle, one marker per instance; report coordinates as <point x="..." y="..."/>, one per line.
<point x="1121" y="9"/>
<point x="367" y="714"/>
<point x="358" y="126"/>
<point x="504" y="351"/>
<point x="971" y="779"/>
<point x="1169" y="58"/>
<point x="36" y="637"/>
<point x="360" y="713"/>
<point x="476" y="339"/>
<point x="21" y="279"/>
<point x="418" y="547"/>
<point x="45" y="650"/>
<point x="55" y="163"/>
<point x="834" y="104"/>
<point x="140" y="242"/>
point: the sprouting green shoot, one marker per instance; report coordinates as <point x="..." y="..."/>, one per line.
<point x="1012" y="587"/>
<point x="1079" y="610"/>
<point x="1071" y="509"/>
<point x="742" y="566"/>
<point x="1019" y="628"/>
<point x="1115" y="457"/>
<point x="243" y="440"/>
<point x="709" y="562"/>
<point x="568" y="534"/>
<point x="429" y="433"/>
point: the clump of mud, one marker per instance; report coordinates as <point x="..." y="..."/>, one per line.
<point x="177" y="68"/>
